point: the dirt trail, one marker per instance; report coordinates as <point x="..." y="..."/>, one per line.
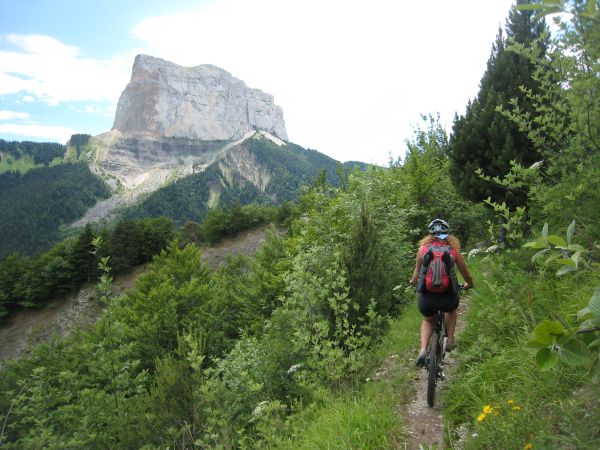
<point x="425" y="425"/>
<point x="21" y="332"/>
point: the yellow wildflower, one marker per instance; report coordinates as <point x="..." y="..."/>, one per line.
<point x="517" y="408"/>
<point x="510" y="402"/>
<point x="528" y="446"/>
<point x="481" y="417"/>
<point x="487" y="409"/>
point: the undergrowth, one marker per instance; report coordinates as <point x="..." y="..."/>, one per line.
<point x="365" y="415"/>
<point x="499" y="398"/>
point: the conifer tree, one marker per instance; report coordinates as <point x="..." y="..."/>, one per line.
<point x="483" y="137"/>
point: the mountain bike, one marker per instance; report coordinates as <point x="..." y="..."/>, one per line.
<point x="434" y="364"/>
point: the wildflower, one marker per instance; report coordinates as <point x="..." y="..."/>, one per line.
<point x="260" y="408"/>
<point x="510" y="402"/>
<point x="481" y="417"/>
<point x="294" y="368"/>
<point x="527" y="446"/>
<point x="487" y="409"/>
<point x="516" y="408"/>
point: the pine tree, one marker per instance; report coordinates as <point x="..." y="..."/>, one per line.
<point x="484" y="138"/>
<point x="83" y="259"/>
<point x="367" y="274"/>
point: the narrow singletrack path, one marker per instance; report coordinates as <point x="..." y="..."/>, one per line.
<point x="425" y="425"/>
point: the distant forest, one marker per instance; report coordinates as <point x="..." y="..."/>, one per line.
<point x="34" y="205"/>
<point x="40" y="152"/>
<point x="289" y="166"/>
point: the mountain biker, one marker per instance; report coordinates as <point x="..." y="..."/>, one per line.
<point x="430" y="302"/>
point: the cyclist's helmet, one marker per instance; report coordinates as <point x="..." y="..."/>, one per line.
<point x="439" y="228"/>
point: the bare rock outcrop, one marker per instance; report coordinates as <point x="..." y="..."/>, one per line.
<point x="204" y="102"/>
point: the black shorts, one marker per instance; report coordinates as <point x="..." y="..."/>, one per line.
<point x="429" y="303"/>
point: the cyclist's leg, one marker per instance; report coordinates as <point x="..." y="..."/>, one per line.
<point x="426" y="329"/>
<point x="451" y="318"/>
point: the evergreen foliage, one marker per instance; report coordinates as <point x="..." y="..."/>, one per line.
<point x="255" y="353"/>
<point x="190" y="199"/>
<point x="32" y="282"/>
<point x="33" y="206"/>
<point x="485" y="139"/>
<point x="40" y="152"/>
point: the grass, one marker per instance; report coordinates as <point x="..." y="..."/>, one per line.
<point x="23" y="165"/>
<point x="365" y="416"/>
<point x="525" y="406"/>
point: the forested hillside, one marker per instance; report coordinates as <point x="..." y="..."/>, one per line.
<point x="284" y="349"/>
<point x="286" y="169"/>
<point x="34" y="205"/>
<point x="39" y="153"/>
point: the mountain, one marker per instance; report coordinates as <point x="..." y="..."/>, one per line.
<point x="174" y="123"/>
<point x="184" y="140"/>
<point x="204" y="102"/>
<point x="255" y="170"/>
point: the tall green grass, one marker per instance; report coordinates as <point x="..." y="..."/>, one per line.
<point x="498" y="397"/>
<point x="365" y="415"/>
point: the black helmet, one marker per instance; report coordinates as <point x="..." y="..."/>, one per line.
<point x="439" y="228"/>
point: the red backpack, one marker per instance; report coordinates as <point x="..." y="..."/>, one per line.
<point x="437" y="267"/>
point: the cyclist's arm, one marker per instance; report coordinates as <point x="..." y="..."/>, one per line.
<point x="464" y="271"/>
<point x="415" y="278"/>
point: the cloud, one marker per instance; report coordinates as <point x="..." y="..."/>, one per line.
<point x="353" y="78"/>
<point x="11" y="115"/>
<point x="46" y="69"/>
<point x="33" y="131"/>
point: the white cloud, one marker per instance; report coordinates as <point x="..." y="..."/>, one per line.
<point x="49" y="70"/>
<point x="352" y="77"/>
<point x="11" y="115"/>
<point x="33" y="131"/>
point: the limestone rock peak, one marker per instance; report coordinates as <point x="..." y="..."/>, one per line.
<point x="203" y="102"/>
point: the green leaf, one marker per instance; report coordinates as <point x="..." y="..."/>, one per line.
<point x="557" y="241"/>
<point x="540" y="242"/>
<point x="575" y="248"/>
<point x="564" y="270"/>
<point x="575" y="258"/>
<point x="570" y="232"/>
<point x="552" y="258"/>
<point x="528" y="7"/>
<point x="589" y="324"/>
<point x="538" y="254"/>
<point x="545" y="230"/>
<point x="594" y="344"/>
<point x="548" y="331"/>
<point x="535" y="344"/>
<point x="594" y="304"/>
<point x="567" y="262"/>
<point x="573" y="352"/>
<point x="546" y="359"/>
<point x="583" y="312"/>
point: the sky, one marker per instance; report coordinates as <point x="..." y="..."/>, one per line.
<point x="353" y="77"/>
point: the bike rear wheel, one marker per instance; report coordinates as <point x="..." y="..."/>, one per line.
<point x="434" y="361"/>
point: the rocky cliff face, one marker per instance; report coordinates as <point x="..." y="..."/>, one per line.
<point x="203" y="102"/>
<point x="174" y="121"/>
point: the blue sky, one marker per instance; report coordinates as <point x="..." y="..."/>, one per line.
<point x="352" y="77"/>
